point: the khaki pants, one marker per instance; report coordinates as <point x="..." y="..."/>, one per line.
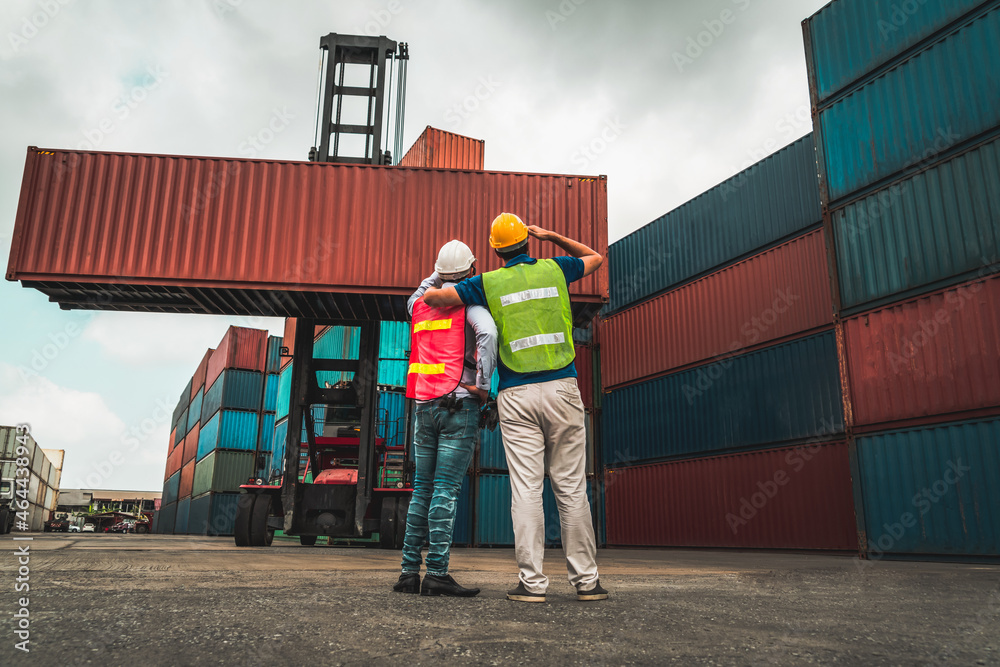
<point x="543" y="430"/>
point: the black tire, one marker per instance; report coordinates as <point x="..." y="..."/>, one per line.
<point x="260" y="534"/>
<point x="307" y="540"/>
<point x="244" y="515"/>
<point x="402" y="507"/>
<point x="141" y="530"/>
<point x="387" y="524"/>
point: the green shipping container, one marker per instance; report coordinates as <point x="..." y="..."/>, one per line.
<point x="222" y="471"/>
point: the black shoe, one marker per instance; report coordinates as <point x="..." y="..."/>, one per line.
<point x="409" y="582"/>
<point x="595" y="593"/>
<point x="521" y="594"/>
<point x="445" y="586"/>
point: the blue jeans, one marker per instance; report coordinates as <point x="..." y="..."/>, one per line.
<point x="443" y="447"/>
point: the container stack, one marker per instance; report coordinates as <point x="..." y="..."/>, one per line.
<point x="908" y="140"/>
<point x="44" y="468"/>
<point x="214" y="444"/>
<point x="722" y="420"/>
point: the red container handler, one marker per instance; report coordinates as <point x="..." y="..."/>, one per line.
<point x="240" y="348"/>
<point x="789" y="498"/>
<point x="444" y="150"/>
<point x="932" y="358"/>
<point x="779" y="293"/>
<point x="187" y="481"/>
<point x="160" y="233"/>
<point x="198" y="380"/>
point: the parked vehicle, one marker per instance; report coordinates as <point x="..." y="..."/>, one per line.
<point x="88" y="528"/>
<point x="73" y="528"/>
<point x="56" y="526"/>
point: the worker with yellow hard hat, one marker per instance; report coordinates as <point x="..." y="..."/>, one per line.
<point x="541" y="411"/>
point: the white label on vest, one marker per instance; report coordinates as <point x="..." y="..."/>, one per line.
<point x="536" y="340"/>
<point x="529" y="294"/>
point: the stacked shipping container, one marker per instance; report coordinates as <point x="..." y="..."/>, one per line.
<point x="40" y="485"/>
<point x="216" y="433"/>
<point x="907" y="139"/>
<point x="719" y="363"/>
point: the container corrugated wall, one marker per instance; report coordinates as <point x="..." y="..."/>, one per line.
<point x="171" y="488"/>
<point x="190" y="444"/>
<point x="925" y="229"/>
<point x="779" y="394"/>
<point x="494" y="525"/>
<point x="776" y="198"/>
<point x="223" y="471"/>
<point x="791" y="498"/>
<point x="194" y="411"/>
<point x="775" y="294"/>
<point x="933" y="490"/>
<point x="186" y="482"/>
<point x="213" y="514"/>
<point x="406" y="214"/>
<point x="938" y="97"/>
<point x="935" y="355"/>
<point x="849" y="38"/>
<point x="284" y="392"/>
<point x="241" y="348"/>
<point x="165" y="518"/>
<point x="463" y="514"/>
<point x="491" y="452"/>
<point x="394" y="353"/>
<point x="198" y="379"/>
<point x="271" y="392"/>
<point x="444" y="150"/>
<point x="233" y="390"/>
<point x="274" y="344"/>
<point x="229" y="429"/>
<point x="391" y="418"/>
<point x="183" y="512"/>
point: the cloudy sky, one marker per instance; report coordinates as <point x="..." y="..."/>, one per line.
<point x="667" y="98"/>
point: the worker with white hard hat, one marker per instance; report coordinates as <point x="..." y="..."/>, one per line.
<point x="541" y="411"/>
<point x="452" y="358"/>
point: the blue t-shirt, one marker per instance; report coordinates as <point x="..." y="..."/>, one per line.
<point x="472" y="293"/>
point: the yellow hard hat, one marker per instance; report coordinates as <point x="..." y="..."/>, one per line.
<point x="507" y="230"/>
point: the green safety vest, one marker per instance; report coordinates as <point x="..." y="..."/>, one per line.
<point x="530" y="304"/>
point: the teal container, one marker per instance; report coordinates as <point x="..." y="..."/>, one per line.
<point x="233" y="390"/>
<point x="284" y="396"/>
<point x="848" y="39"/>
<point x="266" y="438"/>
<point x="194" y="411"/>
<point x="779" y="394"/>
<point x="229" y="429"/>
<point x="494" y="525"/>
<point x="932" y="490"/>
<point x="166" y="517"/>
<point x="933" y="228"/>
<point x="491" y="452"/>
<point x="936" y="99"/>
<point x="276" y="462"/>
<point x="462" y="535"/>
<point x="181" y="520"/>
<point x="273" y="364"/>
<point x="391" y="418"/>
<point x="213" y="514"/>
<point x="271" y="392"/>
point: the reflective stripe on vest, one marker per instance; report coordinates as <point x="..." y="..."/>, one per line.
<point x="437" y="351"/>
<point x="530" y="304"/>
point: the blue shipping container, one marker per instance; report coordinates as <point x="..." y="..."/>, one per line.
<point x="229" y="429"/>
<point x="171" y="489"/>
<point x="936" y="225"/>
<point x="463" y="514"/>
<point x="774" y="199"/>
<point x="166" y="516"/>
<point x="233" y="390"/>
<point x="181" y="521"/>
<point x="391" y="418"/>
<point x="943" y="95"/>
<point x="848" y="39"/>
<point x="491" y="452"/>
<point x="932" y="490"/>
<point x="494" y="525"/>
<point x="194" y="412"/>
<point x="284" y="392"/>
<point x="274" y="344"/>
<point x="778" y="394"/>
<point x="277" y="459"/>
<point x="271" y="393"/>
<point x="266" y="436"/>
<point x="213" y="514"/>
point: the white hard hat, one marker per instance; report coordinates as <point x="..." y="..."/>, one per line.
<point x="454" y="258"/>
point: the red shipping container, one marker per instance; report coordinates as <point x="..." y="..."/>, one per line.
<point x="780" y="293"/>
<point x="585" y="374"/>
<point x="187" y="481"/>
<point x="191" y="444"/>
<point x="789" y="498"/>
<point x="173" y="440"/>
<point x="174" y="460"/>
<point x="240" y="348"/>
<point x="444" y="150"/>
<point x="288" y="340"/>
<point x="286" y="239"/>
<point x="926" y="359"/>
<point x="198" y="380"/>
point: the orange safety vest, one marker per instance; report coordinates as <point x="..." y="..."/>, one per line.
<point x="437" y="351"/>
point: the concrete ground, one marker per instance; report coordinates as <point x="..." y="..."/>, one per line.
<point x="170" y="600"/>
